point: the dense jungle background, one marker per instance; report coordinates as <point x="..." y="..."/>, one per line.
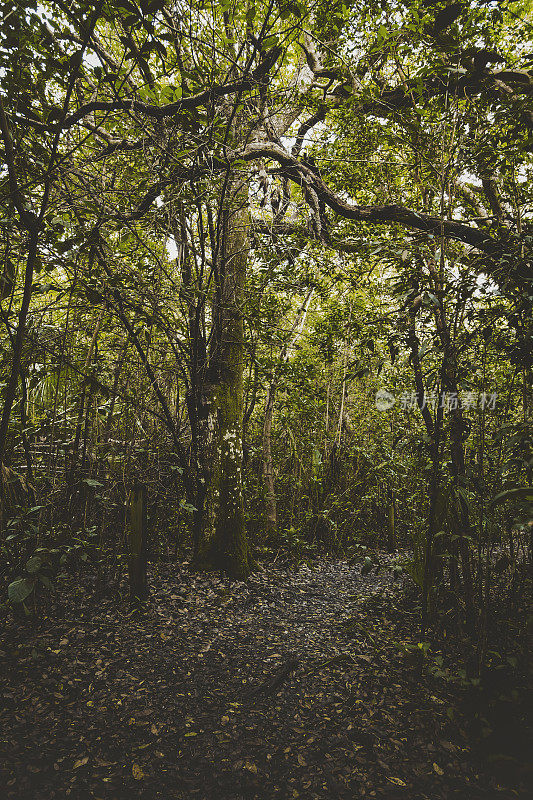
<point x="266" y="348"/>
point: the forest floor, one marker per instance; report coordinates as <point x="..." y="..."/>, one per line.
<point x="291" y="685"/>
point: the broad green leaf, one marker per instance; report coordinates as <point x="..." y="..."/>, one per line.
<point x="20" y="589"/>
<point x="34" y="564"/>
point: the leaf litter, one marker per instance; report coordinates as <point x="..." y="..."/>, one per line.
<point x="288" y="685"/>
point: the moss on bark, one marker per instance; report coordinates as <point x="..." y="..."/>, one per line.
<point x="228" y="548"/>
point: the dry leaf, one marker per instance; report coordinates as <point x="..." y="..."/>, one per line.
<point x="137" y="772"/>
<point x="397" y="781"/>
<point x="81" y="762"/>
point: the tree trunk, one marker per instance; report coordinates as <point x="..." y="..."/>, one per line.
<point x="458" y="429"/>
<point x="391" y="527"/>
<point x="434" y="483"/>
<point x="269" y="485"/>
<point x="268" y="467"/>
<point x="83" y="409"/>
<point x="229" y="546"/>
<point x="137" y="543"/>
<point x="12" y="383"/>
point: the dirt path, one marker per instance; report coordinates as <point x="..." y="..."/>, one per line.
<point x="288" y="686"/>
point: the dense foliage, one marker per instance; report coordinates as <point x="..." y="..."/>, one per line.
<point x="270" y="262"/>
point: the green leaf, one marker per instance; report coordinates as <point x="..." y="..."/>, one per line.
<point x="34" y="564"/>
<point x="20" y="589"/>
<point x="92" y="483"/>
<point x="362" y="372"/>
<point x="270" y="41"/>
<point x="129" y="6"/>
<point x="520" y="493"/>
<point x="464" y="498"/>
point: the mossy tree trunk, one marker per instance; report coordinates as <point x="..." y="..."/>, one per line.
<point x="228" y="548"/>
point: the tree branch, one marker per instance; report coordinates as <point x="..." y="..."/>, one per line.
<point x="306" y="177"/>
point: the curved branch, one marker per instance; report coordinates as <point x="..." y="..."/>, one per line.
<point x="203" y="98"/>
<point x="306" y="177"/>
<point x="305" y="127"/>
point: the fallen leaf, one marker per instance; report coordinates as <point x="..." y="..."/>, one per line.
<point x="397" y="781"/>
<point x="137" y="772"/>
<point x="80" y="762"/>
<point x="438" y="769"/>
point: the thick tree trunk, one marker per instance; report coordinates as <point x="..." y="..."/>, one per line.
<point x="229" y="546"/>
<point x="458" y="429"/>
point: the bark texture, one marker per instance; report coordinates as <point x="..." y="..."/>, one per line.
<point x="229" y="547"/>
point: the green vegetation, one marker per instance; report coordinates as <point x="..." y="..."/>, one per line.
<point x="268" y="265"/>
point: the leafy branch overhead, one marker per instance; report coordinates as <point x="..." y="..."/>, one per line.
<point x="288" y="80"/>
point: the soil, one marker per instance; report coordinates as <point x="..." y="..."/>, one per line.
<point x="295" y="684"/>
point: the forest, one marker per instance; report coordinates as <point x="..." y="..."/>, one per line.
<point x="266" y="443"/>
